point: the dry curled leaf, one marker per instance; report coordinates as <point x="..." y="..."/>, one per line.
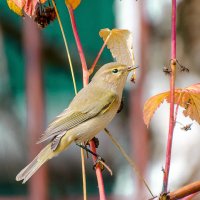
<point x="120" y="44"/>
<point x="73" y="3"/>
<point x="188" y="98"/>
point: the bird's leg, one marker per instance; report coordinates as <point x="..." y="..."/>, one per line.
<point x="121" y="106"/>
<point x="89" y="151"/>
<point x="99" y="159"/>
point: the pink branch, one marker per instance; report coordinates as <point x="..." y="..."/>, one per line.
<point x="97" y="58"/>
<point x="99" y="54"/>
<point x="85" y="82"/>
<point x="172" y="87"/>
<point x="102" y="195"/>
<point x="79" y="46"/>
<point x="173" y="31"/>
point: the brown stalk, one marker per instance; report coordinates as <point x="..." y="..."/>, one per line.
<point x="185" y="191"/>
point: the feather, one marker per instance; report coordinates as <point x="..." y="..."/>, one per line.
<point x="74" y="116"/>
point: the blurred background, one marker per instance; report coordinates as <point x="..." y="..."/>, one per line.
<point x="36" y="85"/>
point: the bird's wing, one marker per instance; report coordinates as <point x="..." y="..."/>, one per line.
<point x="72" y="117"/>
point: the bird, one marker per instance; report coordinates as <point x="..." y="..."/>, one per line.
<point x="90" y="111"/>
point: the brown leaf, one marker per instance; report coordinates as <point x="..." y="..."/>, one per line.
<point x="73" y="3"/>
<point x="188" y="98"/>
<point x="120" y="44"/>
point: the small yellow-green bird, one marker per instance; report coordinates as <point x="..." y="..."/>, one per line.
<point x="90" y="111"/>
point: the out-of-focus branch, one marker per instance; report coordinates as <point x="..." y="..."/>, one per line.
<point x="35" y="104"/>
<point x="185" y="191"/>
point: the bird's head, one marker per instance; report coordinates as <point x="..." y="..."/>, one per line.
<point x="112" y="75"/>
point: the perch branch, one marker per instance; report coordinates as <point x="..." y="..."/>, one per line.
<point x="85" y="82"/>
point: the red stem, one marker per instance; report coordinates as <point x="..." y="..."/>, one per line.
<point x="172" y="87"/>
<point x="102" y="194"/>
<point x="97" y="58"/>
<point x="85" y="82"/>
<point x="79" y="46"/>
<point x="99" y="54"/>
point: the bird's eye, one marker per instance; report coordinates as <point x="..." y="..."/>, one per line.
<point x="114" y="71"/>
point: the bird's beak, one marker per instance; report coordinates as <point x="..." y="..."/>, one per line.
<point x="131" y="68"/>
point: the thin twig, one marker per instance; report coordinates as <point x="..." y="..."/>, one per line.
<point x="66" y="46"/>
<point x="99" y="54"/>
<point x="75" y="89"/>
<point x="83" y="175"/>
<point x="172" y="91"/>
<point x="79" y="46"/>
<point x="130" y="161"/>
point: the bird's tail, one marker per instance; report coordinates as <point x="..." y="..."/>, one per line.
<point x="38" y="161"/>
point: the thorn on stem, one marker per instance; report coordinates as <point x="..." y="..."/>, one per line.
<point x="163" y="170"/>
<point x="186" y="127"/>
<point x="182" y="68"/>
<point x="167" y="70"/>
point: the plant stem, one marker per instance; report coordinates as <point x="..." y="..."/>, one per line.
<point x="129" y="160"/>
<point x="172" y="87"/>
<point x="66" y="46"/>
<point x="102" y="195"/>
<point x="79" y="46"/>
<point x="99" y="54"/>
<point x="83" y="174"/>
<point x="85" y="82"/>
